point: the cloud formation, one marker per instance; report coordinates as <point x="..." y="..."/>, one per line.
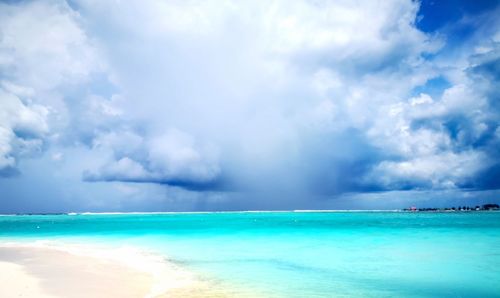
<point x="22" y="130"/>
<point x="172" y="158"/>
<point x="279" y="101"/>
<point x="42" y="53"/>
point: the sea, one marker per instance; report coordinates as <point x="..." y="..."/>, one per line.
<point x="300" y="254"/>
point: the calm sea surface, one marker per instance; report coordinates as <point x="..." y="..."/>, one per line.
<point x="292" y="254"/>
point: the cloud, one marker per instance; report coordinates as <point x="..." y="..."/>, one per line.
<point x="271" y="77"/>
<point x="172" y="158"/>
<point x="436" y="143"/>
<point x="22" y="130"/>
<point x="254" y="80"/>
<point x="275" y="101"/>
<point x="124" y="169"/>
<point x="436" y="171"/>
<point x="6" y="160"/>
<point x="43" y="52"/>
<point x="43" y="46"/>
<point x="174" y="154"/>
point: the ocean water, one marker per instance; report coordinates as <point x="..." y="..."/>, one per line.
<point x="302" y="254"/>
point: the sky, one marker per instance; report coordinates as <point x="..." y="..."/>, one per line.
<point x="248" y="105"/>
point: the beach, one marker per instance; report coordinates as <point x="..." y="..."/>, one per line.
<point x="251" y="254"/>
<point x="44" y="272"/>
<point x="48" y="271"/>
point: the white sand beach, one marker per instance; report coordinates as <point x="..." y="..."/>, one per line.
<point x="48" y="271"/>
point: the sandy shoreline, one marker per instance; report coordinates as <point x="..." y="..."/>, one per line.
<point x="33" y="270"/>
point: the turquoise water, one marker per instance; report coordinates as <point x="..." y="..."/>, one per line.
<point x="291" y="254"/>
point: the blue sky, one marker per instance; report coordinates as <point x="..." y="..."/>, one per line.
<point x="221" y="105"/>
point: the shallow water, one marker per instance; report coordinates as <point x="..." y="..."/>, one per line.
<point x="292" y="254"/>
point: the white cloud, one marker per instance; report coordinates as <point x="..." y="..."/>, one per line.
<point x="125" y="169"/>
<point x="123" y="143"/>
<point x="259" y="79"/>
<point x="191" y="92"/>
<point x="6" y="159"/>
<point x="22" y="128"/>
<point x="43" y="54"/>
<point x="43" y="45"/>
<point x="175" y="155"/>
<point x="442" y="170"/>
<point x="422" y="99"/>
<point x="171" y="157"/>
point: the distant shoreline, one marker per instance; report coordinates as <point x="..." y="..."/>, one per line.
<point x="430" y="210"/>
